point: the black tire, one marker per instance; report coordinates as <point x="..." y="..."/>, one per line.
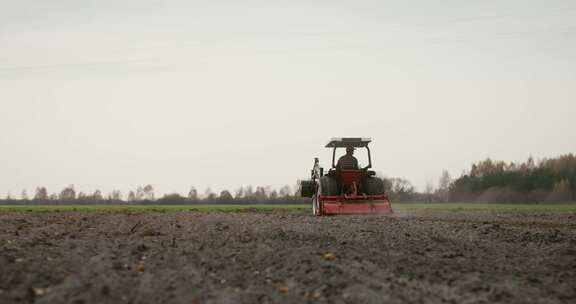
<point x="307" y="188"/>
<point x="374" y="186"/>
<point x="328" y="186"/>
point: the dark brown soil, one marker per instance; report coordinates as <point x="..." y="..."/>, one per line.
<point x="287" y="256"/>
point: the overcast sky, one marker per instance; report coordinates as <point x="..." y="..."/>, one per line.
<point x="116" y="94"/>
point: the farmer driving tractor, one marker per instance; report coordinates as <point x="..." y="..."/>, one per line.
<point x="347" y="161"/>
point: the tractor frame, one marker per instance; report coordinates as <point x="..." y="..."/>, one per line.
<point x="346" y="191"/>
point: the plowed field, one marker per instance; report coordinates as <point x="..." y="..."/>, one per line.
<point x="287" y="256"/>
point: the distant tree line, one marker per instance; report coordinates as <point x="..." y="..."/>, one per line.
<point x="488" y="181"/>
<point x="401" y="190"/>
<point x="242" y="195"/>
<point x="146" y="195"/>
<point x="548" y="180"/>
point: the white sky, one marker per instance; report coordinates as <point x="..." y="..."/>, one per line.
<point x="116" y="94"/>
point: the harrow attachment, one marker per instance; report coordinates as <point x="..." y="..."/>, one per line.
<point x="328" y="205"/>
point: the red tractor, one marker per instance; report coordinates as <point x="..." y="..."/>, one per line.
<point x="346" y="191"/>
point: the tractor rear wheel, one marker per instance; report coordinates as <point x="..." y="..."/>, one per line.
<point x="328" y="186"/>
<point x="374" y="186"/>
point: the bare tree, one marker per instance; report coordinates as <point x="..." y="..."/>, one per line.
<point x="24" y="195"/>
<point x="139" y="194"/>
<point x="97" y="195"/>
<point x="68" y="193"/>
<point x="41" y="193"/>
<point x="429" y="190"/>
<point x="296" y="189"/>
<point x="225" y="196"/>
<point x="248" y="192"/>
<point x="274" y="195"/>
<point x="209" y="195"/>
<point x="260" y="194"/>
<point x="115" y="195"/>
<point x="131" y="196"/>
<point x="149" y="192"/>
<point x="239" y="193"/>
<point x="285" y="191"/>
<point x="444" y="186"/>
<point x="193" y="194"/>
<point x="400" y="186"/>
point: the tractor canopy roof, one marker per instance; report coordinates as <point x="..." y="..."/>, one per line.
<point x="342" y="142"/>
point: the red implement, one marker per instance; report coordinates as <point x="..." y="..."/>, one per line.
<point x="329" y="205"/>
